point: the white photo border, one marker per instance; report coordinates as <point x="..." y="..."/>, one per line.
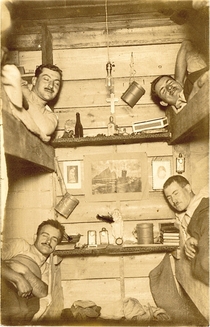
<point x="76" y="182"/>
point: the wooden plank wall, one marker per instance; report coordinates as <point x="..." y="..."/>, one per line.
<point x="80" y="50"/>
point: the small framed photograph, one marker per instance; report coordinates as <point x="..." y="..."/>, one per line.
<point x="72" y="174"/>
<point x="161" y="171"/>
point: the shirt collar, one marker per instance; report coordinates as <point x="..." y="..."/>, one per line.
<point x="41" y="259"/>
<point x="180" y="103"/>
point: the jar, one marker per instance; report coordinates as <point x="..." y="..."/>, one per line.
<point x="104" y="236"/>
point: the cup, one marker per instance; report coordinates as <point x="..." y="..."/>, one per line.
<point x="144" y="233"/>
<point x="132" y="95"/>
<point x="66" y="205"/>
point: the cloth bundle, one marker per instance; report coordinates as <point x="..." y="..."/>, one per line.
<point x="132" y="309"/>
<point x="82" y="310"/>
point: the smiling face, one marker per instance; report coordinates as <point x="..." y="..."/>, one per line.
<point x="168" y="90"/>
<point x="178" y="197"/>
<point x="47" y="239"/>
<point x="47" y="84"/>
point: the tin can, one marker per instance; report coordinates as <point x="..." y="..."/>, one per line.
<point x="132" y="95"/>
<point x="104" y="236"/>
<point x="66" y="205"/>
<point x="91" y="238"/>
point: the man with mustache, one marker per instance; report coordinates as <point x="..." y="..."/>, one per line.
<point x="32" y="106"/>
<point x="190" y="75"/>
<point x="192" y="214"/>
<point x="25" y="272"/>
<point x="46" y="85"/>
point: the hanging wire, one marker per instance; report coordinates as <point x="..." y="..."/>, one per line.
<point x="132" y="70"/>
<point x="107" y="29"/>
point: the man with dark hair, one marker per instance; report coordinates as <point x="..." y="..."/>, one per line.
<point x="46" y="85"/>
<point x="190" y="75"/>
<point x="192" y="213"/>
<point x="25" y="273"/>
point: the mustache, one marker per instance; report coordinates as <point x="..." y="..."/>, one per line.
<point x="49" y="89"/>
<point x="47" y="245"/>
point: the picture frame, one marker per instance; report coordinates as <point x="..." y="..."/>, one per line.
<point x="118" y="176"/>
<point x="72" y="174"/>
<point x="161" y="171"/>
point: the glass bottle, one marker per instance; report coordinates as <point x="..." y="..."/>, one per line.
<point x="78" y="126"/>
<point x="111" y="126"/>
<point x="104" y="236"/>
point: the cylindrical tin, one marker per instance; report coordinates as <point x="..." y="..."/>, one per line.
<point x="66" y="205"/>
<point x="144" y="233"/>
<point x="132" y="95"/>
<point x="104" y="236"/>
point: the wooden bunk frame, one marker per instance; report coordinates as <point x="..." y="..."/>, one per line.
<point x="193" y="121"/>
<point x="22" y="147"/>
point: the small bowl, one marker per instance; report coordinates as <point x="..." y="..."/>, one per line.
<point x="74" y="238"/>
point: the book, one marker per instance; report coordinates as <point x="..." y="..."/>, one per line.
<point x="166" y="236"/>
<point x="170" y="242"/>
<point x="169" y="228"/>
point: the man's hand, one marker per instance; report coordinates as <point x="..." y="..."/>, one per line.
<point x="190" y="247"/>
<point x="23" y="286"/>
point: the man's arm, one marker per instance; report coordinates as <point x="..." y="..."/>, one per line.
<point x="38" y="287"/>
<point x="181" y="62"/>
<point x="23" y="286"/>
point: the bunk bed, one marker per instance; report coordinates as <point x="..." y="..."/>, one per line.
<point x="22" y="148"/>
<point x="190" y="124"/>
<point x="193" y="120"/>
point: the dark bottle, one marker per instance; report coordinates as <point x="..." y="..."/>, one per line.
<point x="78" y="126"/>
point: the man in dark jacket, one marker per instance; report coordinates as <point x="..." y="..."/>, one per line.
<point x="193" y="215"/>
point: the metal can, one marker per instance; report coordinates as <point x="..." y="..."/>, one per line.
<point x="91" y="238"/>
<point x="104" y="236"/>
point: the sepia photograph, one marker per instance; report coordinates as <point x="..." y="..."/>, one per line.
<point x="104" y="163"/>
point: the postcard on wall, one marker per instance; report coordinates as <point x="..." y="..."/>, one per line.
<point x="72" y="174"/>
<point x="118" y="176"/>
<point x="161" y="171"/>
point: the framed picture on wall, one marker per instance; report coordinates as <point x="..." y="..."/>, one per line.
<point x="161" y="171"/>
<point x="72" y="174"/>
<point x="118" y="176"/>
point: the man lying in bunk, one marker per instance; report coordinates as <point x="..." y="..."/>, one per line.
<point x="25" y="273"/>
<point x="192" y="213"/>
<point x="31" y="106"/>
<point x="191" y="72"/>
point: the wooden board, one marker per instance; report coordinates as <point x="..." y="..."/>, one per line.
<point x="21" y="144"/>
<point x="194" y="118"/>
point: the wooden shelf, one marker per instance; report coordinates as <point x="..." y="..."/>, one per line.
<point x="110" y="250"/>
<point x="111" y="140"/>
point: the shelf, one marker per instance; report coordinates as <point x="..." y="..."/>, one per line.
<point x="111" y="140"/>
<point x="116" y="250"/>
<point x="27" y="77"/>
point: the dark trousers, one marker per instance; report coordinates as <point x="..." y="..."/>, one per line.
<point x="16" y="310"/>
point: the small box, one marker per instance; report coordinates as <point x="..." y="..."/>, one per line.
<point x="150" y="124"/>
